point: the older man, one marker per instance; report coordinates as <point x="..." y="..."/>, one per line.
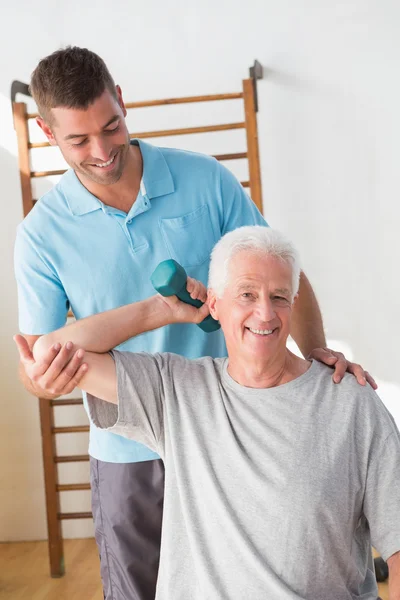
<point x="276" y="480"/>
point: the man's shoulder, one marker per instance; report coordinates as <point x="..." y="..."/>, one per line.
<point x="349" y="385"/>
<point x="171" y="367"/>
<point x="198" y="165"/>
<point x="349" y="395"/>
<point x="49" y="205"/>
<point x="182" y="160"/>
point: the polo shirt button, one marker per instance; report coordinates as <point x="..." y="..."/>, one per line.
<point x="129" y="222"/>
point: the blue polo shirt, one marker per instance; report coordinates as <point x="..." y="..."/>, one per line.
<point x="74" y="251"/>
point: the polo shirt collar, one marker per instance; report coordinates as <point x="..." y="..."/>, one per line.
<point x="80" y="201"/>
<point x="157" y="177"/>
<point x="157" y="180"/>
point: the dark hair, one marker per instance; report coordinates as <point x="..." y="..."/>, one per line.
<point x="72" y="77"/>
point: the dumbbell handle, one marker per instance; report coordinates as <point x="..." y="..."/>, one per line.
<point x="169" y="279"/>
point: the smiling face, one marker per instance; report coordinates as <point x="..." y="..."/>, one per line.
<point x="256" y="306"/>
<point x="93" y="141"/>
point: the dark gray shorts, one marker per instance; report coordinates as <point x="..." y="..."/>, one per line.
<point x="127" y="504"/>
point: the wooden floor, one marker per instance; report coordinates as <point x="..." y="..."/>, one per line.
<point x="24" y="573"/>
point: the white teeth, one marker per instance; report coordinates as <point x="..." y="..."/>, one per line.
<point x="261" y="331"/>
<point x="107" y="163"/>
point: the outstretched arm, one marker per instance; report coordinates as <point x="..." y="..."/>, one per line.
<point x="104" y="331"/>
<point x="100" y="333"/>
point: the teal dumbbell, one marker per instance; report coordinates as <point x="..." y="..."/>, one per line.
<point x="169" y="279"/>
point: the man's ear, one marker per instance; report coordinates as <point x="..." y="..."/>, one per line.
<point x="46" y="130"/>
<point x="295" y="299"/>
<point x="212" y="303"/>
<point x="121" y="100"/>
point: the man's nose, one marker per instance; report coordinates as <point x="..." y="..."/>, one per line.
<point x="265" y="310"/>
<point x="101" y="149"/>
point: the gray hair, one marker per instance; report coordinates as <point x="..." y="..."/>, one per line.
<point x="254" y="238"/>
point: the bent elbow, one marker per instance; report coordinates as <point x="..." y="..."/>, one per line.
<point x="42" y="346"/>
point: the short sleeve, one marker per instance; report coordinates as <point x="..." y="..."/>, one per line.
<point x="239" y="209"/>
<point x="382" y="497"/>
<point x="139" y="414"/>
<point x="42" y="301"/>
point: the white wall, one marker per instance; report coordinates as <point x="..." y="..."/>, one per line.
<point x="329" y="127"/>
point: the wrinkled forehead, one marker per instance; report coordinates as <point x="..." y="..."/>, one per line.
<point x="258" y="269"/>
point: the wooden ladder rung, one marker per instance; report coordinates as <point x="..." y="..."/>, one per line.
<point x="71" y="429"/>
<point x="245" y="183"/>
<point x="47" y="173"/>
<point x="72" y="458"/>
<point x="188" y="130"/>
<point x="72" y="487"/>
<point x="185" y="100"/>
<point x="167" y="132"/>
<point x="168" y="101"/>
<point x="77" y="515"/>
<point x="66" y="402"/>
<point x="231" y="156"/>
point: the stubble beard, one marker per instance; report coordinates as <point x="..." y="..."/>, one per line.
<point x="106" y="178"/>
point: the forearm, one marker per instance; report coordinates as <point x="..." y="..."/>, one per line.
<point x="394" y="576"/>
<point x="307" y="326"/>
<point x="104" y="331"/>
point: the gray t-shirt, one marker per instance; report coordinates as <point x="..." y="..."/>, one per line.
<point x="269" y="493"/>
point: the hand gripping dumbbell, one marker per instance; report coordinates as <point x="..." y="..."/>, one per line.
<point x="169" y="279"/>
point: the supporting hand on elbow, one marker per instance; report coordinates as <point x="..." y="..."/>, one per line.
<point x="54" y="371"/>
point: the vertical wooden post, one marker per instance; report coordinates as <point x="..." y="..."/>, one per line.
<point x="252" y="143"/>
<point x="56" y="549"/>
<point x="55" y="541"/>
<point x="21" y="128"/>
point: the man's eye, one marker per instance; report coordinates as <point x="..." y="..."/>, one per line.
<point x="280" y="299"/>
<point x="247" y="295"/>
<point x="112" y="130"/>
<point x="80" y="143"/>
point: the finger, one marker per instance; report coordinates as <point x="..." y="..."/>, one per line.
<point x="196" y="289"/>
<point x="75" y="381"/>
<point x="324" y="355"/>
<point x="190" y="283"/>
<point x="70" y="382"/>
<point x="358" y="372"/>
<point x="58" y="364"/>
<point x="72" y="367"/>
<point x="203" y="312"/>
<point x="194" y="286"/>
<point x="25" y="353"/>
<point x="371" y="381"/>
<point x="195" y="292"/>
<point x="203" y="293"/>
<point x="43" y="365"/>
<point x="340" y="367"/>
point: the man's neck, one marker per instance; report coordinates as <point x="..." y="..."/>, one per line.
<point x="268" y="373"/>
<point x="120" y="195"/>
